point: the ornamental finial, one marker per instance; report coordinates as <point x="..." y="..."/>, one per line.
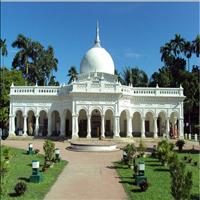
<point x="97" y="40"/>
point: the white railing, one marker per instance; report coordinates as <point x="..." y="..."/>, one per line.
<point x="94" y="88"/>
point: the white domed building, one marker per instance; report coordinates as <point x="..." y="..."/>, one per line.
<point x="96" y="104"/>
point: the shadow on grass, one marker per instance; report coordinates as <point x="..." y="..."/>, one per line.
<point x="13" y="194"/>
<point x="127" y="177"/>
<point x="136" y="190"/>
<point x="24" y="179"/>
<point x="195" y="197"/>
<point x="153" y="165"/>
<point x="117" y="167"/>
<point x="161" y="170"/>
<point x="192" y="151"/>
<point x="152" y="160"/>
<point x="128" y="182"/>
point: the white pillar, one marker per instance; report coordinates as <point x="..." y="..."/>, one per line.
<point x="36" y="125"/>
<point x="102" y="126"/>
<point x="11" y="125"/>
<point x="143" y="128"/>
<point x="116" y="126"/>
<point x="155" y="128"/>
<point x="181" y="128"/>
<point x="74" y="126"/>
<point x="25" y="125"/>
<point x="167" y="127"/>
<point x="129" y="127"/>
<point x="49" y="126"/>
<point x="62" y="133"/>
<point x="88" y="126"/>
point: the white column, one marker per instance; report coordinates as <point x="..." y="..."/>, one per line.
<point x="36" y="124"/>
<point x="167" y="127"/>
<point x="62" y="133"/>
<point x="49" y="126"/>
<point x="181" y="128"/>
<point x="25" y="125"/>
<point x="11" y="125"/>
<point x="129" y="127"/>
<point x="74" y="126"/>
<point x="88" y="126"/>
<point x="143" y="128"/>
<point x="103" y="126"/>
<point x="155" y="128"/>
<point x="116" y="126"/>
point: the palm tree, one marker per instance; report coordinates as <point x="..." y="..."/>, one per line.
<point x="119" y="78"/>
<point x="73" y="74"/>
<point x="25" y="55"/>
<point x="187" y="48"/>
<point x="177" y="44"/>
<point x="196" y="45"/>
<point x="3" y="47"/>
<point x="135" y="76"/>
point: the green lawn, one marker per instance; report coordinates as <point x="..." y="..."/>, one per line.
<point x="21" y="169"/>
<point x="159" y="180"/>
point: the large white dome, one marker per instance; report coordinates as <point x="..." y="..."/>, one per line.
<point x="97" y="59"/>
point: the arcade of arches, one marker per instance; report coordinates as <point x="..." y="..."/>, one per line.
<point x="96" y="124"/>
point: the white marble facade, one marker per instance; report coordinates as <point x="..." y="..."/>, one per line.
<point x="96" y="104"/>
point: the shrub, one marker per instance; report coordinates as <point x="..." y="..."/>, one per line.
<point x="20" y="188"/>
<point x="7" y="153"/>
<point x="181" y="184"/>
<point x="4" y="167"/>
<point x="141" y="147"/>
<point x="130" y="150"/>
<point x="143" y="186"/>
<point x="49" y="152"/>
<point x="180" y="144"/>
<point x="165" y="151"/>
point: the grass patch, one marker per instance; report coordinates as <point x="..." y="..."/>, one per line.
<point x="21" y="169"/>
<point x="158" y="177"/>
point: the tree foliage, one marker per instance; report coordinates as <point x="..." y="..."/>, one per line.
<point x="35" y="62"/>
<point x="10" y="76"/>
<point x="73" y="74"/>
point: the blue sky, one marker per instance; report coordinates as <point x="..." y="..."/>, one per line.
<point x="131" y="32"/>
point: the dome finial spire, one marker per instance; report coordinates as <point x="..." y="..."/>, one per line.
<point x="97" y="40"/>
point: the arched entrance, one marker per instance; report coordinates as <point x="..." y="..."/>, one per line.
<point x="19" y="123"/>
<point x="82" y="122"/>
<point x="174" y="127"/>
<point x="123" y="124"/>
<point x="55" y="123"/>
<point x="43" y="124"/>
<point x="161" y="123"/>
<point x="30" y="123"/>
<point x="136" y="124"/>
<point x="109" y="123"/>
<point x="149" y="125"/>
<point x="68" y="123"/>
<point x="95" y="123"/>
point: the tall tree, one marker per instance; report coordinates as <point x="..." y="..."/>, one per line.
<point x="3" y="47"/>
<point x="177" y="45"/>
<point x="35" y="62"/>
<point x="196" y="45"/>
<point x="73" y="74"/>
<point x="119" y="78"/>
<point x="53" y="82"/>
<point x="135" y="76"/>
<point x="187" y="48"/>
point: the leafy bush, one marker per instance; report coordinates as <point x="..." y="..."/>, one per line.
<point x="7" y="153"/>
<point x="181" y="184"/>
<point x="180" y="144"/>
<point x="20" y="188"/>
<point x="48" y="147"/>
<point x="4" y="168"/>
<point x="144" y="185"/>
<point x="165" y="151"/>
<point x="130" y="150"/>
<point x="141" y="147"/>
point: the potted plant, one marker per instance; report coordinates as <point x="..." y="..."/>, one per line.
<point x="180" y="144"/>
<point x="143" y="185"/>
<point x="20" y="188"/>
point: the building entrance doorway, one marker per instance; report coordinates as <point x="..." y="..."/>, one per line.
<point x="96" y="124"/>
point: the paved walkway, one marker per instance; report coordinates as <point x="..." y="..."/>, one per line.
<point x="86" y="177"/>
